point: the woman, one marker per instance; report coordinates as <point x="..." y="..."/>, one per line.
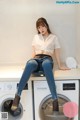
<point x="44" y="45"/>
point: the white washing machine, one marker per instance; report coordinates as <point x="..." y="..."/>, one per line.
<point x="68" y="90"/>
<point x="7" y="93"/>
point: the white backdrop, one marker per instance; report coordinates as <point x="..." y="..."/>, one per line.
<point x="17" y="27"/>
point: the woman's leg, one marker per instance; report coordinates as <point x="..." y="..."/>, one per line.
<point x="30" y="67"/>
<point x="47" y="67"/>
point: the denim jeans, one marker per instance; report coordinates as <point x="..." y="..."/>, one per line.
<point x="44" y="64"/>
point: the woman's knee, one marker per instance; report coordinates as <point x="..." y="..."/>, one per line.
<point x="32" y="63"/>
<point x="47" y="64"/>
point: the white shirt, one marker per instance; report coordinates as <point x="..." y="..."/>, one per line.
<point x="46" y="46"/>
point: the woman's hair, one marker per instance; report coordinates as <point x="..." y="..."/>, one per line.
<point x="42" y="21"/>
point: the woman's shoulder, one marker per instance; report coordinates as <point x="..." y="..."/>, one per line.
<point x="53" y="36"/>
<point x="36" y="36"/>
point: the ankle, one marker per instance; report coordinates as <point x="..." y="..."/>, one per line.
<point x="55" y="105"/>
<point x="15" y="103"/>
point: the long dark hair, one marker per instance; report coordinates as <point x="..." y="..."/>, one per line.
<point x="42" y="21"/>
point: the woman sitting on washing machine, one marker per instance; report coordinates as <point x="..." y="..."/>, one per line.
<point x="44" y="45"/>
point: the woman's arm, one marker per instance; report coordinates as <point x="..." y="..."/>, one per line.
<point x="57" y="55"/>
<point x="33" y="52"/>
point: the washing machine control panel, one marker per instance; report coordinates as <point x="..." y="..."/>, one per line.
<point x="9" y="87"/>
<point x="68" y="86"/>
<point x="6" y="86"/>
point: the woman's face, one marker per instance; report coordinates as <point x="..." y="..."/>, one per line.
<point x="43" y="30"/>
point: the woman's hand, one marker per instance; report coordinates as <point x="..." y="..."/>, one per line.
<point x="57" y="55"/>
<point x="63" y="67"/>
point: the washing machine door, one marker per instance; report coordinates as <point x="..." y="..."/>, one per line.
<point x="4" y="108"/>
<point x="46" y="108"/>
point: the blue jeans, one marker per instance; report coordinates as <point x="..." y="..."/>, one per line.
<point x="44" y="64"/>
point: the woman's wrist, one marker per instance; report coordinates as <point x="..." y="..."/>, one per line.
<point x="59" y="66"/>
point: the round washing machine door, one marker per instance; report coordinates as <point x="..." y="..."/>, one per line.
<point x="6" y="102"/>
<point x="46" y="108"/>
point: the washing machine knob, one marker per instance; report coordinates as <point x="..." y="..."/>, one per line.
<point x="9" y="87"/>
